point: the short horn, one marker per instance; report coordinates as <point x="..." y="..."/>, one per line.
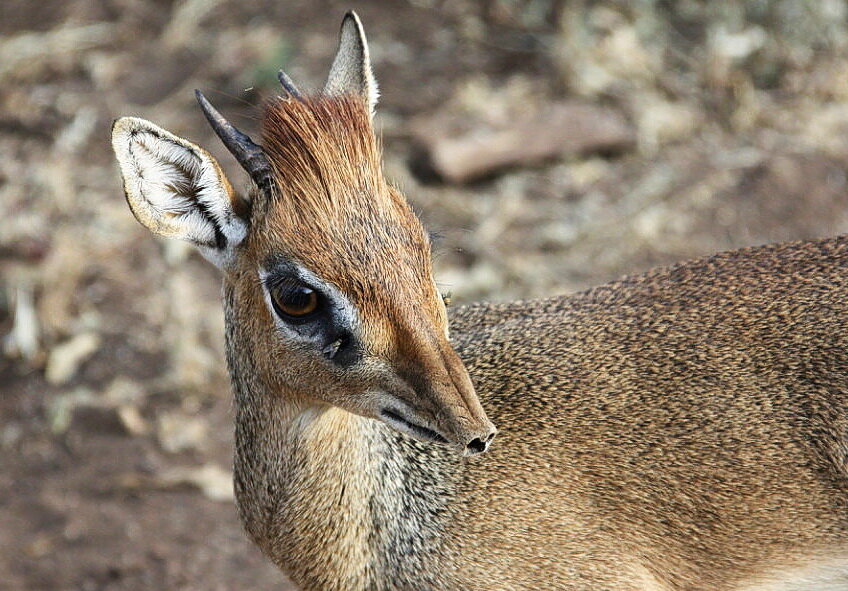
<point x="288" y="85"/>
<point x="249" y="155"/>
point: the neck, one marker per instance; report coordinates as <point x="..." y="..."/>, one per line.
<point x="302" y="484"/>
<point x="334" y="498"/>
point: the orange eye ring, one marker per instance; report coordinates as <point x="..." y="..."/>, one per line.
<point x="294" y="300"/>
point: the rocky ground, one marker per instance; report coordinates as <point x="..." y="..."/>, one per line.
<point x="551" y="145"/>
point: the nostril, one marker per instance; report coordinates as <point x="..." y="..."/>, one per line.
<point x="477" y="445"/>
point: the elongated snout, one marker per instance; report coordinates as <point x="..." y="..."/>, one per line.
<point x="438" y="402"/>
<point x="473" y="427"/>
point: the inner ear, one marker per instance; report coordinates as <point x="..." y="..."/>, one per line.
<point x="177" y="189"/>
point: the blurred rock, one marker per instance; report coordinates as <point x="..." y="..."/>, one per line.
<point x="557" y="129"/>
<point x="75" y="135"/>
<point x="65" y="359"/>
<point x="736" y="46"/>
<point x="82" y="411"/>
<point x="122" y="391"/>
<point x="178" y="432"/>
<point x="587" y="172"/>
<point x="132" y="420"/>
<point x="660" y="121"/>
<point x="213" y="481"/>
<point x="23" y="340"/>
<point x="60" y="409"/>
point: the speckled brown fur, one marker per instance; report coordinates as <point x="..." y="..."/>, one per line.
<point x="680" y="430"/>
<point x="689" y="423"/>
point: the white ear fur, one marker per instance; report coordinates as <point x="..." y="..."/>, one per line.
<point x="177" y="189"/>
<point x="351" y="69"/>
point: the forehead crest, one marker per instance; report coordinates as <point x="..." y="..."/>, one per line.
<point x="322" y="150"/>
<point x="331" y="208"/>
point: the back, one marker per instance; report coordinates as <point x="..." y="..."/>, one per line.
<point x="692" y="418"/>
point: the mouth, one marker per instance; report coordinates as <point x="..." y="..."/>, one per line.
<point x="406" y="426"/>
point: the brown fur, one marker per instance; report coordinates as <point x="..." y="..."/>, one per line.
<point x="689" y="422"/>
<point x="681" y="430"/>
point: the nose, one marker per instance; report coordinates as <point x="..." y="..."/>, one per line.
<point x="481" y="443"/>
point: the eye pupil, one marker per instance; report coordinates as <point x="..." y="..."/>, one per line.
<point x="295" y="300"/>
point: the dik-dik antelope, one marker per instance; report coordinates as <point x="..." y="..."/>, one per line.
<point x="680" y="430"/>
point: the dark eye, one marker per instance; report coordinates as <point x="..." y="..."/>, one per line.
<point x="294" y="300"/>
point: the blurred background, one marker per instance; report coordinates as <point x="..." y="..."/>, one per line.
<point x="550" y="145"/>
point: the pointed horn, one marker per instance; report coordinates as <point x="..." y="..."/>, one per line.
<point x="249" y="155"/>
<point x="289" y="86"/>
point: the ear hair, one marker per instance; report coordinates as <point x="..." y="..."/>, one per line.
<point x="177" y="189"/>
<point x="351" y="70"/>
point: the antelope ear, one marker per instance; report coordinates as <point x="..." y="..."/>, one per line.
<point x="351" y="69"/>
<point x="177" y="189"/>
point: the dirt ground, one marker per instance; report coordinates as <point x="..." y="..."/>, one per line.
<point x="115" y="413"/>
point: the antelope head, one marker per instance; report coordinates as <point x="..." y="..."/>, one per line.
<point x="328" y="283"/>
